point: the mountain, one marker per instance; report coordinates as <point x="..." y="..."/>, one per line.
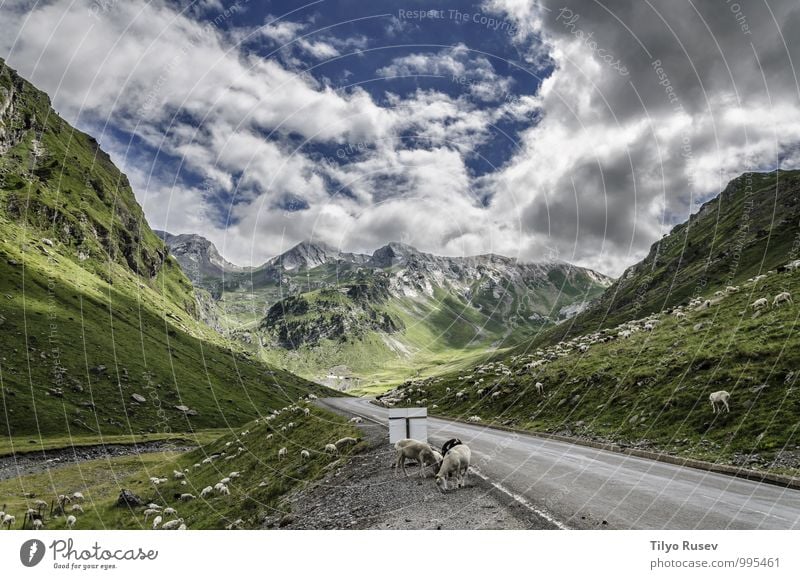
<point x="99" y="326"/>
<point x="638" y="366"/>
<point x="748" y="229"/>
<point x="321" y="312"/>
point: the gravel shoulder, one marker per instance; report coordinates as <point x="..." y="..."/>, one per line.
<point x="18" y="465"/>
<point x="362" y="492"/>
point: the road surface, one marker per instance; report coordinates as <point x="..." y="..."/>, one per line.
<point x="576" y="485"/>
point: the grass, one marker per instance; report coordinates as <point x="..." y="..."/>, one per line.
<point x="652" y="390"/>
<point x="100" y="481"/>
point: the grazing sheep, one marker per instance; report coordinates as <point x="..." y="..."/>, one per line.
<point x="186" y="497"/>
<point x="77" y="509"/>
<point x="331" y="448"/>
<point x="206" y="492"/>
<point x="71" y="520"/>
<point x="224" y="490"/>
<point x="456" y="462"/>
<point x="415" y="450"/>
<point x="173" y="524"/>
<point x="624" y="334"/>
<point x="282" y="453"/>
<point x="170" y="512"/>
<point x="719" y="400"/>
<point x="178" y="474"/>
<point x="496" y="395"/>
<point x="77" y="497"/>
<point x="732" y="289"/>
<point x="306" y="411"/>
<point x="269" y="436"/>
<point x="10" y="520"/>
<point x="157" y="521"/>
<point x="539" y="388"/>
<point x="759" y="304"/>
<point x="356" y="420"/>
<point x="225" y="480"/>
<point x="234" y="474"/>
<point x="680" y="315"/>
<point x="474" y="419"/>
<point x="38" y="524"/>
<point x="346" y="441"/>
<point x="781" y="298"/>
<point x="305" y="455"/>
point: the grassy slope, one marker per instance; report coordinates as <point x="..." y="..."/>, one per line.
<point x="653" y="389"/>
<point x="104" y="294"/>
<point x="100" y="481"/>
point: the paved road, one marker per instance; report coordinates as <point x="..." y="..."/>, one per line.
<point x="580" y="486"/>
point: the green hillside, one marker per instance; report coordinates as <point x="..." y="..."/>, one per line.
<point x="98" y="324"/>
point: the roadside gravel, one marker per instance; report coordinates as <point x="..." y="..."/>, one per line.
<point x="362" y="492"/>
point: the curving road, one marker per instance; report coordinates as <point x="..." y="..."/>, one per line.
<point x="579" y="487"/>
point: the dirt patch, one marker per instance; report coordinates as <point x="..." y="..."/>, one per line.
<point x="362" y="492"/>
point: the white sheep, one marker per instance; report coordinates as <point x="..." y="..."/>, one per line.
<point x="225" y="480"/>
<point x="157" y="521"/>
<point x="456" y="462"/>
<point x="170" y="512"/>
<point x="346" y="441"/>
<point x="781" y="298"/>
<point x="305" y="455"/>
<point x="178" y="475"/>
<point x="71" y="520"/>
<point x="732" y="289"/>
<point x="186" y="497"/>
<point x="173" y="524"/>
<point x="77" y="497"/>
<point x="408" y="448"/>
<point x="206" y="492"/>
<point x="282" y="453"/>
<point x="10" y="520"/>
<point x="356" y="420"/>
<point x="331" y="448"/>
<point x="474" y="419"/>
<point x="718" y="400"/>
<point x="306" y="411"/>
<point x="37" y="524"/>
<point x="539" y="388"/>
<point x="269" y="436"/>
<point x="759" y="304"/>
<point x="224" y="490"/>
<point x="234" y="474"/>
<point x="680" y="315"/>
<point x="77" y="509"/>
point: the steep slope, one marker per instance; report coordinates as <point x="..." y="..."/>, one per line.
<point x="98" y="324"/>
<point x="750" y="228"/>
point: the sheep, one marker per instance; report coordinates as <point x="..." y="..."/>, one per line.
<point x="225" y="480"/>
<point x="206" y="492"/>
<point x="71" y="520"/>
<point x="415" y="450"/>
<point x="347" y="440"/>
<point x="173" y="524"/>
<point x="680" y="315"/>
<point x="10" y="520"/>
<point x="732" y="289"/>
<point x="456" y="462"/>
<point x="157" y="522"/>
<point x="282" y="453"/>
<point x="306" y="411"/>
<point x="331" y="448"/>
<point x="182" y="527"/>
<point x="234" y="474"/>
<point x="539" y="388"/>
<point x="356" y="420"/>
<point x="178" y="474"/>
<point x="77" y="497"/>
<point x="186" y="497"/>
<point x="781" y="298"/>
<point x="624" y="334"/>
<point x="496" y="395"/>
<point x="224" y="490"/>
<point x="474" y="419"/>
<point x="718" y="400"/>
<point x="759" y="304"/>
<point x="77" y="509"/>
<point x="38" y="524"/>
<point x="269" y="436"/>
<point x="170" y="512"/>
<point x="305" y="455"/>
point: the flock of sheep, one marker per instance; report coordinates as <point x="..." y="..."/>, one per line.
<point x="416" y="391"/>
<point x="35" y="515"/>
<point x="451" y="463"/>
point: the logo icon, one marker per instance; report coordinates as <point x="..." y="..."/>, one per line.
<point x="31" y="553"/>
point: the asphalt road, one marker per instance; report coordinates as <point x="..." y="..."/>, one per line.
<point x="578" y="486"/>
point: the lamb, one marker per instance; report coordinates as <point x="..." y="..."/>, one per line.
<point x="157" y="521"/>
<point x="186" y="497"/>
<point x="305" y="455"/>
<point x="331" y="448"/>
<point x="759" y="304"/>
<point x="282" y="453"/>
<point x="781" y="298"/>
<point x="173" y="524"/>
<point x="415" y="450"/>
<point x="718" y="400"/>
<point x="456" y="462"/>
<point x="71" y="520"/>
<point x="206" y="492"/>
<point x="9" y="521"/>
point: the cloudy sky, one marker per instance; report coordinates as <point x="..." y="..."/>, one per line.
<point x="577" y="130"/>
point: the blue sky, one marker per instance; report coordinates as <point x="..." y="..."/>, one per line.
<point x="533" y="129"/>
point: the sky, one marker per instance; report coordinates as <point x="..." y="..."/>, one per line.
<point x="574" y="130"/>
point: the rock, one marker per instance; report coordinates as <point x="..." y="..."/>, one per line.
<point x="286" y="520"/>
<point x="128" y="499"/>
<point x="182" y="408"/>
<point x="138" y="398"/>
